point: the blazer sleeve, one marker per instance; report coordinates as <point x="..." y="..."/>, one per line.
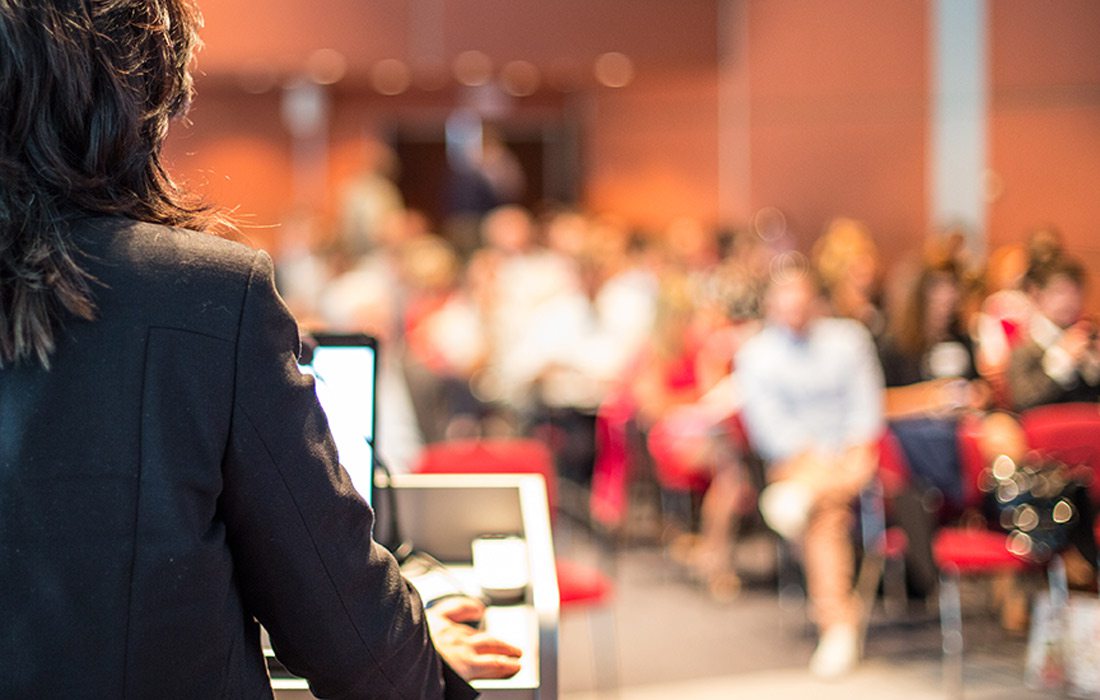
<point x="333" y="601"/>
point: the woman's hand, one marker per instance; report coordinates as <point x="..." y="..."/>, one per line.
<point x="470" y="652"/>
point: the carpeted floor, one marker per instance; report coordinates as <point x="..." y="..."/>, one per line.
<point x="673" y="641"/>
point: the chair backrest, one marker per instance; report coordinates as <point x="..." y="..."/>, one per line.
<point x="1068" y="432"/>
<point x="893" y="467"/>
<point x="492" y="456"/>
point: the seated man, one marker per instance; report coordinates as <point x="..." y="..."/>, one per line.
<point x="813" y="394"/>
<point x="1059" y="359"/>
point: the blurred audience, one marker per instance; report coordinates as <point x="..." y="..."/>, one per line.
<point x="575" y="330"/>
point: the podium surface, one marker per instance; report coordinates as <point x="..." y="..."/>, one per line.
<point x="442" y="514"/>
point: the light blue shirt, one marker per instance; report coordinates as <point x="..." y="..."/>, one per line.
<point x="822" y="390"/>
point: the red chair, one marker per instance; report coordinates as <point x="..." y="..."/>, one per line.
<point x="890" y="543"/>
<point x="608" y="499"/>
<point x="1068" y="432"/>
<point x="960" y="551"/>
<point x="578" y="585"/>
<point x="503" y="456"/>
<point x="671" y="444"/>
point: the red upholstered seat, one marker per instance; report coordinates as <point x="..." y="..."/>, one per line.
<point x="671" y="442"/>
<point x="512" y="456"/>
<point x="966" y="550"/>
<point x="1069" y="432"/>
<point x="971" y="550"/>
<point x="581" y="585"/>
<point x="957" y="551"/>
<point x="612" y="469"/>
<point x="893" y="470"/>
<point x="894" y="543"/>
<point x="672" y="471"/>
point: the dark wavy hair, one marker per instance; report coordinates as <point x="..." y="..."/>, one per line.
<point x="908" y="327"/>
<point x="1041" y="272"/>
<point x="87" y="90"/>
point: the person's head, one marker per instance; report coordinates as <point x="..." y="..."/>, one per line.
<point x="847" y="255"/>
<point x="793" y="299"/>
<point x="691" y="244"/>
<point x="568" y="233"/>
<point x="1057" y="287"/>
<point x="931" y="311"/>
<point x="87" y="90"/>
<point x="1043" y="245"/>
<point x="508" y="229"/>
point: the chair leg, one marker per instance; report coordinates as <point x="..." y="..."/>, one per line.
<point x="951" y="628"/>
<point x="605" y="649"/>
<point x="1056" y="579"/>
<point x="896" y="598"/>
<point x="792" y="593"/>
<point x="676" y="509"/>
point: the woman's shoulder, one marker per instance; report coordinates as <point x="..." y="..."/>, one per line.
<point x="136" y="246"/>
<point x="161" y="275"/>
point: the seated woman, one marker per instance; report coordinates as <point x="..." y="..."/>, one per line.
<point x="667" y="384"/>
<point x="700" y="440"/>
<point x="932" y="380"/>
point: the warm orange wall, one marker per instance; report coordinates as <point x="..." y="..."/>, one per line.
<point x="235" y="152"/>
<point x="649" y="148"/>
<point x="652" y="149"/>
<point x="282" y="33"/>
<point x="837" y="114"/>
<point x="836" y="124"/>
<point x="1045" y="123"/>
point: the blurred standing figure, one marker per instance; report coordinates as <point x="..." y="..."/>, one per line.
<point x="370" y="198"/>
<point x="813" y="391"/>
<point x="167" y="476"/>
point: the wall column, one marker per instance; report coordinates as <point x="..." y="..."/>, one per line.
<point x="958" y="117"/>
<point x="734" y="163"/>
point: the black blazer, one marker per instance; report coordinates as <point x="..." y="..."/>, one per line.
<point x="170" y="480"/>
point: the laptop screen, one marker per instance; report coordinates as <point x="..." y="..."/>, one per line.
<point x="344" y="368"/>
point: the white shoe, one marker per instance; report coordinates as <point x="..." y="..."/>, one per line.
<point x="837" y="652"/>
<point x="785" y="506"/>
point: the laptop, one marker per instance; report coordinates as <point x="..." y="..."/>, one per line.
<point x="344" y="367"/>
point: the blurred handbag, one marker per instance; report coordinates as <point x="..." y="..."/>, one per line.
<point x="1063" y="651"/>
<point x="1039" y="503"/>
